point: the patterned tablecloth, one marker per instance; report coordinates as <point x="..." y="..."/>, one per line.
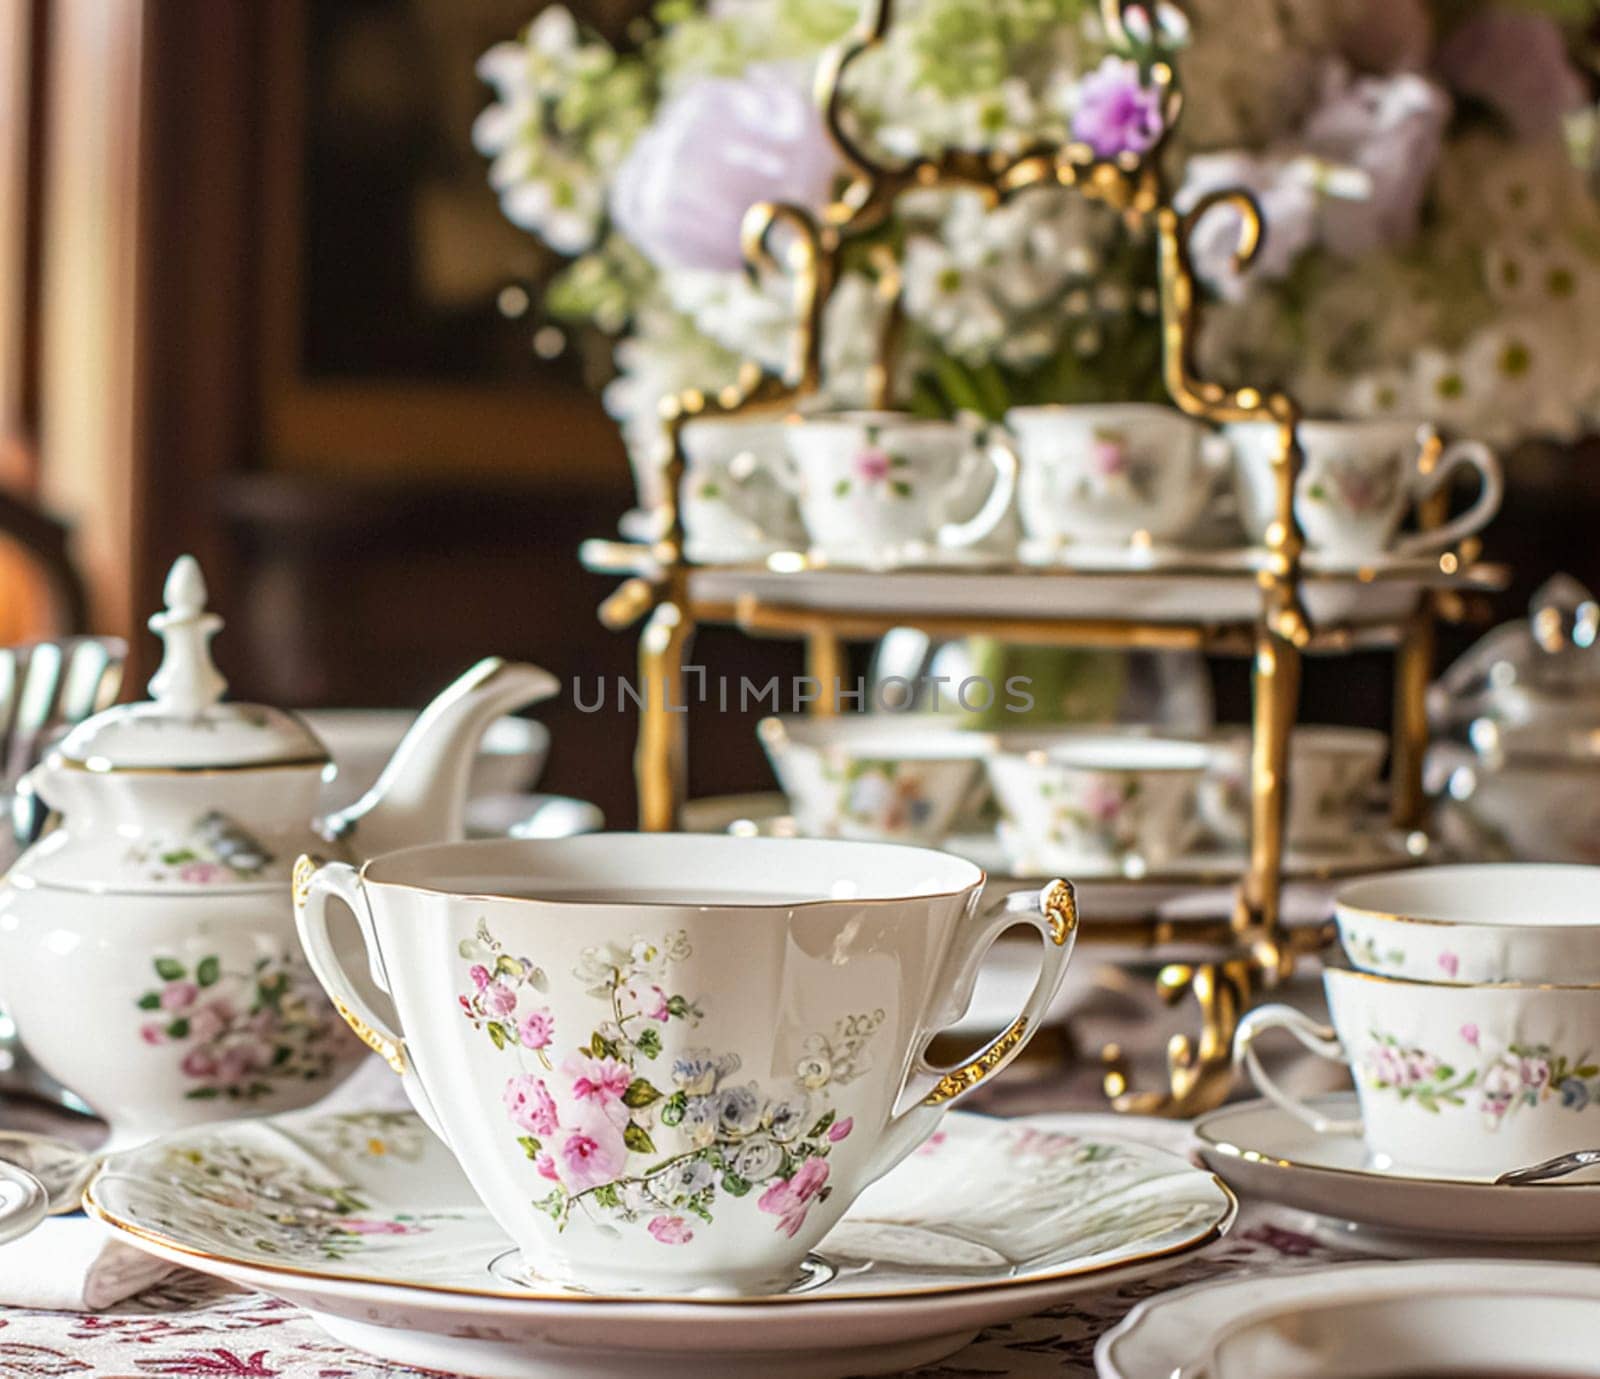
<point x="194" y="1326"/>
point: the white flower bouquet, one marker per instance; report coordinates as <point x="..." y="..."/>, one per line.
<point x="1433" y="239"/>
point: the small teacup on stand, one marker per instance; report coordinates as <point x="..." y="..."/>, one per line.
<point x="881" y="488"/>
<point x="1116" y="474"/>
<point x="670" y="1062"/>
<point x="734" y="509"/>
<point x="1358" y="480"/>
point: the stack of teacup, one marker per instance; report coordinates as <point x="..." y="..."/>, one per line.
<point x="1469" y="1017"/>
<point x="882" y="488"/>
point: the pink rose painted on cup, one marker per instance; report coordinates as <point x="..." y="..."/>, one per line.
<point x="529" y="1104"/>
<point x="790" y="1199"/>
<point x="601" y="1081"/>
<point x="872" y="464"/>
<point x="840" y="1129"/>
<point x="537" y="1029"/>
<point x="592" y="1154"/>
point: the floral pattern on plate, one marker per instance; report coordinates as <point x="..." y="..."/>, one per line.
<point x="984" y="1201"/>
<point x="618" y="1133"/>
<point x="280" y="1208"/>
<point x="242" y="1034"/>
<point x="1497" y="1086"/>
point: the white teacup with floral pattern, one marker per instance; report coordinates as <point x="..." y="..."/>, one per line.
<point x="1332" y="770"/>
<point x="1489" y="922"/>
<point x="1113" y="473"/>
<point x="734" y="508"/>
<point x="1358" y="479"/>
<point x="1102" y="800"/>
<point x="879" y="488"/>
<point x="1471" y="1081"/>
<point x="669" y="1062"/>
<point x="892" y="778"/>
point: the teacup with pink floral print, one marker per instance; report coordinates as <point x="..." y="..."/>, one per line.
<point x="885" y="487"/>
<point x="616" y="1128"/>
<point x="1455" y="1079"/>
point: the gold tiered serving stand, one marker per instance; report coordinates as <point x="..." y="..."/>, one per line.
<point x="1258" y="609"/>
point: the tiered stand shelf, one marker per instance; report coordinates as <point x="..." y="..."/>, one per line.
<point x="1273" y="606"/>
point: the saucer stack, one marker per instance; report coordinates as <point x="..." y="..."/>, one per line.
<point x="1470" y="1019"/>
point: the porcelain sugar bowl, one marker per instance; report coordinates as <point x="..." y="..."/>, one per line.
<point x="147" y="944"/>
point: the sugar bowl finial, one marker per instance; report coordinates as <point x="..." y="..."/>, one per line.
<point x="187" y="681"/>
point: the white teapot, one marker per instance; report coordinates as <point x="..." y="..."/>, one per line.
<point x="147" y="944"/>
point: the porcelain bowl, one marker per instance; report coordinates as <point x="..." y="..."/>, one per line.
<point x="361" y="741"/>
<point x="1074" y="799"/>
<point x="896" y="778"/>
<point x="1379" y="1337"/>
<point x="1484" y="923"/>
<point x="1332" y="772"/>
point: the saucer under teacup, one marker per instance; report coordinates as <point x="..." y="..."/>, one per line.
<point x="1171" y="1333"/>
<point x="1264" y="1153"/>
<point x="366" y="1221"/>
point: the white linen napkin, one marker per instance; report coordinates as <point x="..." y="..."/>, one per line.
<point x="73" y="1264"/>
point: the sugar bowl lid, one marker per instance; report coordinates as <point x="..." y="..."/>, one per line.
<point x="185" y="726"/>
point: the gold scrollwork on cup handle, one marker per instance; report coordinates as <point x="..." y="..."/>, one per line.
<point x="958" y="1080"/>
<point x="1060" y="906"/>
<point x="386" y="1049"/>
<point x="307" y="865"/>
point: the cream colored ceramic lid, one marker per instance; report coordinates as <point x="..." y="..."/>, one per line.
<point x="185" y="726"/>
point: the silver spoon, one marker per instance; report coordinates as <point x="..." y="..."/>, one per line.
<point x="1558" y="1167"/>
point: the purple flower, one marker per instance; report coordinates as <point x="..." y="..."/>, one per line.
<point x="1517" y="64"/>
<point x="1116" y="114"/>
<point x="1389" y="129"/>
<point x="714" y="150"/>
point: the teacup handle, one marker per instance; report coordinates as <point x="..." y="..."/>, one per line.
<point x="1473" y="455"/>
<point x="315" y="883"/>
<point x="999" y="450"/>
<point x="1053" y="911"/>
<point x="1319" y="1039"/>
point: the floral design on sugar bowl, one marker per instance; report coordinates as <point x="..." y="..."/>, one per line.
<point x="875" y="471"/>
<point x="1497" y="1085"/>
<point x="214" y="851"/>
<point x="620" y="1134"/>
<point x="270" y="1206"/>
<point x="241" y="1034"/>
